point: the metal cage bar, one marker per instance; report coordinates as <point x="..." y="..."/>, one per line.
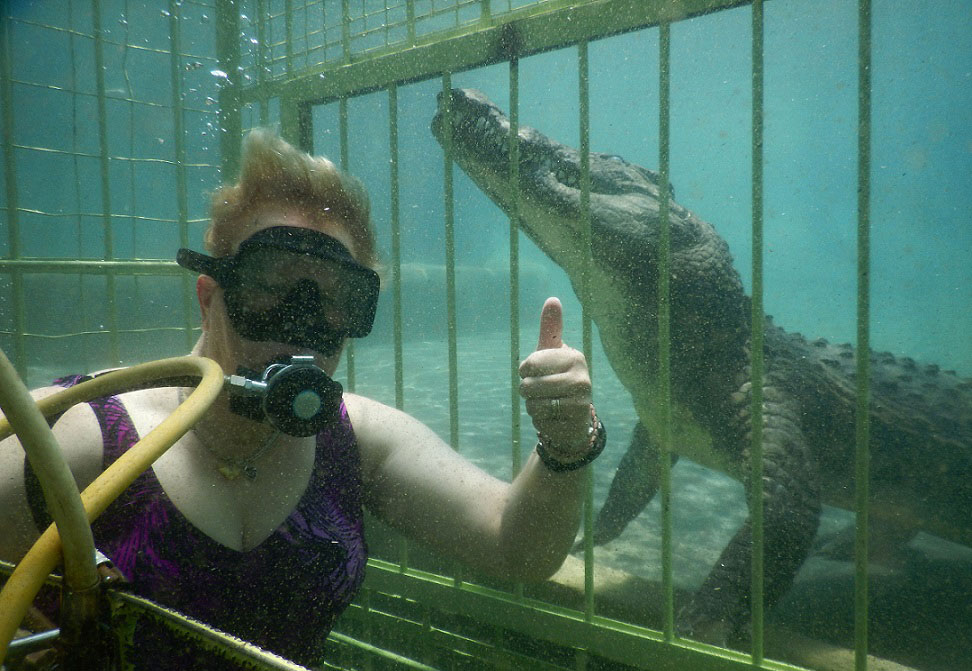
<point x="345" y="150"/>
<point x="396" y="251"/>
<point x="396" y="243"/>
<point x="515" y="423"/>
<point x="13" y="210"/>
<point x="178" y="127"/>
<point x="756" y="373"/>
<point x="449" y="229"/>
<point x="862" y="418"/>
<point x="109" y="250"/>
<point x="664" y="325"/>
<point x="584" y="148"/>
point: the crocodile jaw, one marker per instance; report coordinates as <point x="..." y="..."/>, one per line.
<point x="547" y="196"/>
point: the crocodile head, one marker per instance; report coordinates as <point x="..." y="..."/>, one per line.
<point x="549" y="205"/>
<point x="624" y="213"/>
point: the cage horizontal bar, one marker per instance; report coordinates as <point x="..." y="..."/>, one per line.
<point x="399" y="628"/>
<point x="90" y="36"/>
<point x="128" y="159"/>
<point x="518" y="33"/>
<point x="374" y="651"/>
<point x="611" y="639"/>
<point x="95" y="215"/>
<point x="96" y="267"/>
<point x="73" y="334"/>
<point x="109" y="96"/>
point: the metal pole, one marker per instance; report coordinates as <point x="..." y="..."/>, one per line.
<point x="664" y="407"/>
<point x="756" y="408"/>
<point x="862" y="452"/>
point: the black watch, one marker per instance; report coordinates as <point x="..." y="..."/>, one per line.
<point x="596" y="447"/>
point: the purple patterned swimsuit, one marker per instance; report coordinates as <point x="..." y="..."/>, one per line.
<point x="283" y="595"/>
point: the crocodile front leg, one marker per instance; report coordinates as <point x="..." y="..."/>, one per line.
<point x="633" y="486"/>
<point x="720" y="611"/>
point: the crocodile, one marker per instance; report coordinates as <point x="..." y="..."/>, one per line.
<point x="920" y="417"/>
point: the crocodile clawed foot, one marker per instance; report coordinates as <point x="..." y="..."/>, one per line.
<point x="693" y="624"/>
<point x="698" y="627"/>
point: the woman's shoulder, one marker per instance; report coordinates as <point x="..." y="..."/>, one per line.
<point x="373" y="419"/>
<point x="135" y="413"/>
<point x="147" y="408"/>
<point x="362" y="405"/>
<point x="378" y="428"/>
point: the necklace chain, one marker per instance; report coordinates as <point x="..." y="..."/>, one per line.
<point x="230" y="467"/>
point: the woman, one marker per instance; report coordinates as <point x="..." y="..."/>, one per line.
<point x="259" y="532"/>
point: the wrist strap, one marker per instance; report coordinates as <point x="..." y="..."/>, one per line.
<point x="595" y="447"/>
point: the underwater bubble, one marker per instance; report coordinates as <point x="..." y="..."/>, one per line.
<point x="219" y="74"/>
<point x="165" y="14"/>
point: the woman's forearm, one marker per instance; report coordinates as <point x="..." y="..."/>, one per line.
<point x="540" y="520"/>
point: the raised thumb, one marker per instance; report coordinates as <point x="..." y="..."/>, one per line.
<point x="551" y="325"/>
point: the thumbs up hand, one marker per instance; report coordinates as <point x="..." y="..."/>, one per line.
<point x="557" y="387"/>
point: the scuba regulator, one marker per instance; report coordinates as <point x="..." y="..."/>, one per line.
<point x="293" y="395"/>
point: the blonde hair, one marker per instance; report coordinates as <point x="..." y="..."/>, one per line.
<point x="274" y="172"/>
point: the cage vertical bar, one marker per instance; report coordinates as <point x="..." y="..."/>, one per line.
<point x="178" y="129"/>
<point x="862" y="418"/>
<point x="584" y="132"/>
<point x="448" y="202"/>
<point x="756" y="348"/>
<point x="13" y="211"/>
<point x="396" y="243"/>
<point x="345" y="161"/>
<point x="514" y="177"/>
<point x="664" y="402"/>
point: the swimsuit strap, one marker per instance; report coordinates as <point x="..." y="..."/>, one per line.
<point x="118" y="434"/>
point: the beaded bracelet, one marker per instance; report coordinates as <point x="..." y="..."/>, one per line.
<point x="595" y="445"/>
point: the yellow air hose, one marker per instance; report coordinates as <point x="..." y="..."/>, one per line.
<point x="60" y="490"/>
<point x="40" y="560"/>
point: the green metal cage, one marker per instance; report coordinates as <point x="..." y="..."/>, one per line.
<point x="223" y="67"/>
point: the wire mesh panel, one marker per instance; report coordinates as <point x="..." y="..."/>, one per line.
<point x="111" y="133"/>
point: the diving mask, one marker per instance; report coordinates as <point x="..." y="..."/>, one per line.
<point x="295" y="286"/>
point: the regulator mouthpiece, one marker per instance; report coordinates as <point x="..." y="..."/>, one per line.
<point x="294" y="396"/>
